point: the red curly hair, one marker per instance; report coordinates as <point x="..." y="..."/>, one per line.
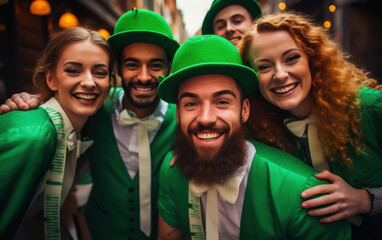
<point x="335" y="84"/>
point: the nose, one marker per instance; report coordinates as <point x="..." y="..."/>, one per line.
<point x="207" y="116"/>
<point x="88" y="80"/>
<point x="281" y="73"/>
<point x="230" y="27"/>
<point x="144" y="74"/>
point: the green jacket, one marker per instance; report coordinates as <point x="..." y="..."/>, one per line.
<point x="272" y="203"/>
<point x="27" y="145"/>
<point x="367" y="167"/>
<point x="112" y="211"/>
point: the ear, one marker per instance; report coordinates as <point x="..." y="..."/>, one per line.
<point x="50" y="80"/>
<point x="177" y="113"/>
<point x="245" y="110"/>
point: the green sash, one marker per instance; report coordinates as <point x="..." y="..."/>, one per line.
<point x="54" y="178"/>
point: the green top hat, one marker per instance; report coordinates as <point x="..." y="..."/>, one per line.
<point x="251" y="5"/>
<point x="139" y="25"/>
<point x="206" y="54"/>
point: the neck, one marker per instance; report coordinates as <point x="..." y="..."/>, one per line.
<point x="140" y="112"/>
<point x="304" y="109"/>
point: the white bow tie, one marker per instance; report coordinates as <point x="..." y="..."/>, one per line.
<point x="298" y="127"/>
<point x="126" y="119"/>
<point x="229" y="191"/>
<point x="81" y="146"/>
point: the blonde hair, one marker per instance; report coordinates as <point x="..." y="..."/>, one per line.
<point x="52" y="53"/>
<point x="335" y="84"/>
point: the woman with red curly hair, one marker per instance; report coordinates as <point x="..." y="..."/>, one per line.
<point x="314" y="103"/>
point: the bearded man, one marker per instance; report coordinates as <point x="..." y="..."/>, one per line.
<point x="224" y="185"/>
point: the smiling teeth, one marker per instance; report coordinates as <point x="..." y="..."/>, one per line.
<point x="86" y="96"/>
<point x="284" y="89"/>
<point x="144" y="89"/>
<point x="208" y="136"/>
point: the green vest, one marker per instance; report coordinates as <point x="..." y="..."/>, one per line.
<point x="272" y="203"/>
<point x="112" y="211"/>
<point x="27" y="145"/>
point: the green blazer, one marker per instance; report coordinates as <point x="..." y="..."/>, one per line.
<point x="112" y="211"/>
<point x="272" y="203"/>
<point x="27" y="145"/>
<point x="367" y="167"/>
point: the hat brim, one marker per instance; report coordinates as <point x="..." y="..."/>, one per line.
<point x="120" y="40"/>
<point x="246" y="77"/>
<point x="251" y="5"/>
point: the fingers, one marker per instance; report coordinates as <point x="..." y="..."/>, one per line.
<point x="172" y="163"/>
<point x="326" y="175"/>
<point x="335" y="217"/>
<point x="319" y="189"/>
<point x="19" y="101"/>
<point x="4" y="108"/>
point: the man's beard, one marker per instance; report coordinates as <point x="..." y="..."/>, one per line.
<point x="142" y="101"/>
<point x="208" y="168"/>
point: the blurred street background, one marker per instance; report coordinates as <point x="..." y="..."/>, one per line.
<point x="25" y="30"/>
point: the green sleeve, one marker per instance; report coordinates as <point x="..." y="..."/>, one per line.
<point x="166" y="200"/>
<point x="304" y="226"/>
<point x="27" y="144"/>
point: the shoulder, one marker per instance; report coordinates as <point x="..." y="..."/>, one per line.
<point x="169" y="174"/>
<point x="370" y="97"/>
<point x="35" y="117"/>
<point x="32" y="126"/>
<point x="280" y="160"/>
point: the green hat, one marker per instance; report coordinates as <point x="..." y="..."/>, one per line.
<point x="206" y="54"/>
<point x="141" y="25"/>
<point x="251" y="5"/>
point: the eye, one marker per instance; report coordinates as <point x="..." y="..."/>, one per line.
<point x="220" y="26"/>
<point x="293" y="58"/>
<point x="222" y="102"/>
<point x="237" y="20"/>
<point x="262" y="68"/>
<point x="156" y="66"/>
<point x="131" y="66"/>
<point x="101" y="73"/>
<point x="190" y="104"/>
<point x="71" y="71"/>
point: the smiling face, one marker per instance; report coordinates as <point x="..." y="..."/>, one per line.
<point x="141" y="64"/>
<point x="283" y="70"/>
<point x="210" y="111"/>
<point x="80" y="80"/>
<point x="232" y="22"/>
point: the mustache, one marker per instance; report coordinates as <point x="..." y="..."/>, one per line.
<point x="212" y="128"/>
<point x="139" y="83"/>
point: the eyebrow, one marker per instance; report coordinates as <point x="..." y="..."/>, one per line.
<point x="136" y="60"/>
<point x="188" y="94"/>
<point x="73" y="63"/>
<point x="285" y="53"/>
<point x="216" y="94"/>
<point x="219" y="93"/>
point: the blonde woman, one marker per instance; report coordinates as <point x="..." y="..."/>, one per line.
<point x="39" y="148"/>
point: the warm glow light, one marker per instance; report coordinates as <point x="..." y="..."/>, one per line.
<point x="282" y="6"/>
<point x="327" y="24"/>
<point x="68" y="20"/>
<point x="40" y="7"/>
<point x="104" y="33"/>
<point x="332" y="8"/>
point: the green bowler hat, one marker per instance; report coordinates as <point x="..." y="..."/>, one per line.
<point x="140" y="25"/>
<point x="251" y="5"/>
<point x="202" y="55"/>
